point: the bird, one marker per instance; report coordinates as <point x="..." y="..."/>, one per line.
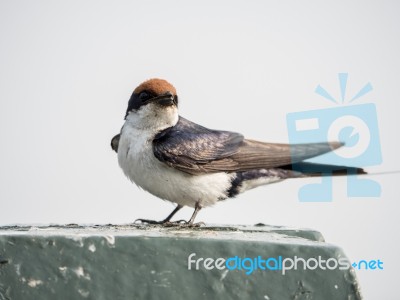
<point x="191" y="165"/>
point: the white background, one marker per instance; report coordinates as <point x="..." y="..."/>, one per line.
<point x="67" y="69"/>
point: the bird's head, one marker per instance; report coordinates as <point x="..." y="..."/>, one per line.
<point x="153" y="103"/>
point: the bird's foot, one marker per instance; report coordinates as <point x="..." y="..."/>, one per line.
<point x="166" y="223"/>
<point x="184" y="224"/>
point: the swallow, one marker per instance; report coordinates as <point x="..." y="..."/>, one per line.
<point x="185" y="163"/>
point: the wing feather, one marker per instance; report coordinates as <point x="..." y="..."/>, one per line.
<point x="195" y="149"/>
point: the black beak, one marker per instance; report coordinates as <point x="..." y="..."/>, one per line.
<point x="166" y="99"/>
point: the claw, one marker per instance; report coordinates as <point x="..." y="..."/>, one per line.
<point x="188" y="225"/>
<point x="198" y="224"/>
<point x="179" y="223"/>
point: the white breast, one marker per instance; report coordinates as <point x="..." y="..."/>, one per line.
<point x="136" y="158"/>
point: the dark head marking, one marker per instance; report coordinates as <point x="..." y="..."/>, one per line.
<point x="152" y="90"/>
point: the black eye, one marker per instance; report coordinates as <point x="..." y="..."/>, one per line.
<point x="144" y="96"/>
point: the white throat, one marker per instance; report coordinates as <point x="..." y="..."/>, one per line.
<point x="152" y="118"/>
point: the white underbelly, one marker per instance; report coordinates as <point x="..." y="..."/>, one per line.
<point x="135" y="156"/>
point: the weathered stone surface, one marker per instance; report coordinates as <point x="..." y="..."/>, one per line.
<point x="151" y="262"/>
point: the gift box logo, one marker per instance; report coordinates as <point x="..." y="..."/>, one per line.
<point x="354" y="124"/>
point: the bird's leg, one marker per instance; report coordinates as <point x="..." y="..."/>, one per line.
<point x="166" y="220"/>
<point x="191" y="221"/>
<point x="196" y="210"/>
<point x="182" y="223"/>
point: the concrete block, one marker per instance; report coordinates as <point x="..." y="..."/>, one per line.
<point x="151" y="262"/>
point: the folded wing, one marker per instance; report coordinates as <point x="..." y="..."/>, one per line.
<point x="195" y="149"/>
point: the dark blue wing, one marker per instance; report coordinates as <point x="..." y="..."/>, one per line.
<point x="195" y="149"/>
<point x="188" y="146"/>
